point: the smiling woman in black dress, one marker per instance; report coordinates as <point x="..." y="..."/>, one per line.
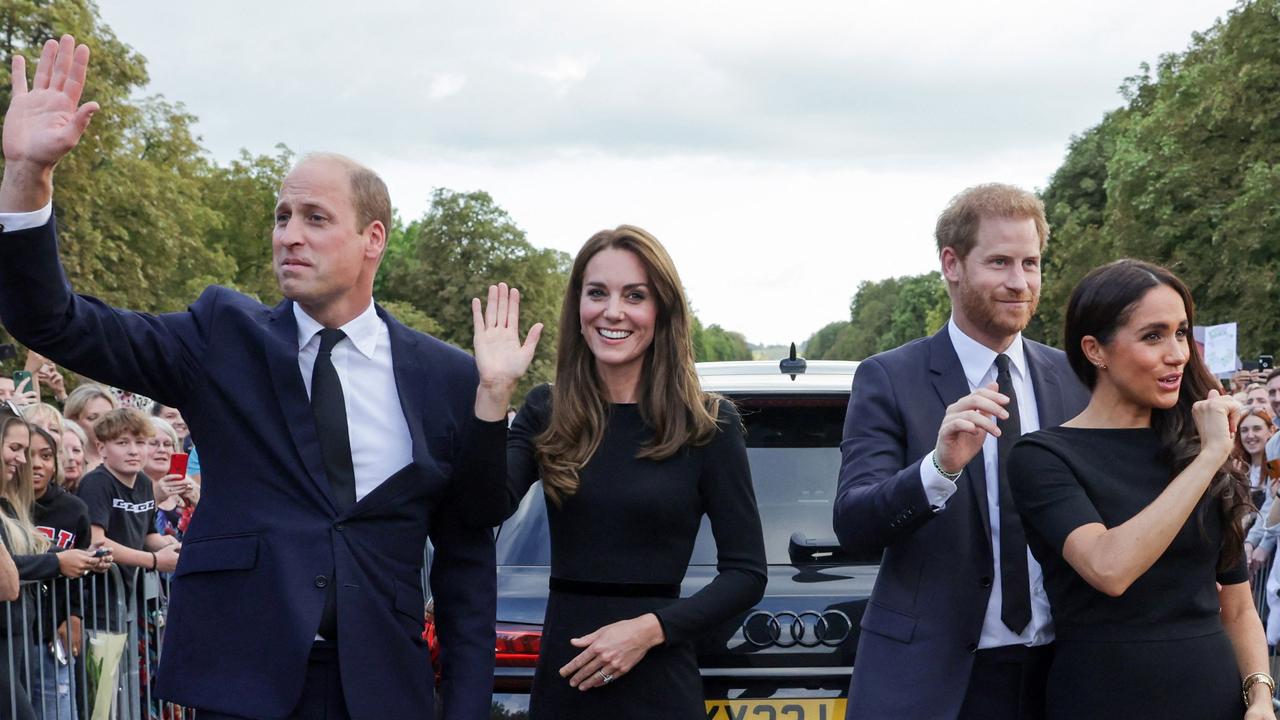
<point x="632" y="454"/>
<point x="1134" y="511"/>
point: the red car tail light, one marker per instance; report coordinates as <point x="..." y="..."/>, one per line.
<point x="517" y="645"/>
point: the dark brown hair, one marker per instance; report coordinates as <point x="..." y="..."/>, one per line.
<point x="670" y="400"/>
<point x="1103" y="302"/>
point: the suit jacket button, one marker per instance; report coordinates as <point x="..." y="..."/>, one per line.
<point x="339" y="527"/>
<point x="322" y="581"/>
<point x="985" y="581"/>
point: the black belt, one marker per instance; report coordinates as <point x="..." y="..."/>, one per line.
<point x="610" y="589"/>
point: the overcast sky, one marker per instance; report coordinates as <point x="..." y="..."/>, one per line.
<point x="782" y="151"/>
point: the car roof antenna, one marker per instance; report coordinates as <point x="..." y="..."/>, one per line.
<point x="793" y="365"/>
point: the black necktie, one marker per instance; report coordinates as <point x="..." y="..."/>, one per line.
<point x="1015" y="584"/>
<point x="331" y="422"/>
<point x="335" y="450"/>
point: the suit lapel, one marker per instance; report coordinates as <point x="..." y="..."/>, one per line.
<point x="409" y="374"/>
<point x="1050" y="404"/>
<point x="949" y="381"/>
<point x="282" y="359"/>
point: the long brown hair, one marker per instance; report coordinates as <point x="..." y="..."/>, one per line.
<point x="1102" y="303"/>
<point x="669" y="397"/>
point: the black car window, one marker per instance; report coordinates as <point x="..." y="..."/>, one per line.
<point x="793" y="445"/>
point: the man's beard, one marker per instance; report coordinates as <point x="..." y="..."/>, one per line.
<point x="984" y="312"/>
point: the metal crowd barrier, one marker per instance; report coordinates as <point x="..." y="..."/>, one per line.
<point x="42" y="679"/>
<point x="110" y="674"/>
<point x="1263" y="604"/>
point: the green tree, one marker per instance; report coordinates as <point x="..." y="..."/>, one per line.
<point x="818" y="344"/>
<point x="243" y="196"/>
<point x="463" y="243"/>
<point x="885" y="314"/>
<point x="716" y="344"/>
<point x="129" y="204"/>
<point x="1185" y="175"/>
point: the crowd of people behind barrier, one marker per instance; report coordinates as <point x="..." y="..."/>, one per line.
<point x="94" y="502"/>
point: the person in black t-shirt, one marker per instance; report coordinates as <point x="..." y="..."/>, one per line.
<point x="121" y="505"/>
<point x="64" y="520"/>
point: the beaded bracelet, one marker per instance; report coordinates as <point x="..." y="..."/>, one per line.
<point x="952" y="476"/>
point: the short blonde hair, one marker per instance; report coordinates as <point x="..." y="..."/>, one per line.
<point x="958" y="224"/>
<point x="163" y="426"/>
<point x="81" y="396"/>
<point x="43" y="415"/>
<point x="75" y="429"/>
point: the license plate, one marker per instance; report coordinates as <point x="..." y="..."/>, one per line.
<point x="832" y="709"/>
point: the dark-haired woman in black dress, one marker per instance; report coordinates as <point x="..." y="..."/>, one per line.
<point x="1133" y="510"/>
<point x="632" y="454"/>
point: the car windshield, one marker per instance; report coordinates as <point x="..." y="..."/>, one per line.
<point x="793" y="446"/>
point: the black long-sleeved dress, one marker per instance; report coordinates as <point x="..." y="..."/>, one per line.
<point x="620" y="547"/>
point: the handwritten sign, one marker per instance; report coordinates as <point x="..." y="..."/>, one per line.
<point x="1220" y="348"/>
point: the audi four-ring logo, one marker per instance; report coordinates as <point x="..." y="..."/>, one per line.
<point x="788" y="629"/>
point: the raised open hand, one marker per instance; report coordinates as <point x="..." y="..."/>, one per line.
<point x="501" y="358"/>
<point x="45" y="122"/>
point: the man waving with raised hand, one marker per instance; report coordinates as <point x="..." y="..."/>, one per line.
<point x="335" y="441"/>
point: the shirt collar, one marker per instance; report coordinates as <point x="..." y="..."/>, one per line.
<point x="363" y="331"/>
<point x="977" y="359"/>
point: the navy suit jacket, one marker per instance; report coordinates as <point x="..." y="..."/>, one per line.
<point x="924" y="618"/>
<point x="266" y="539"/>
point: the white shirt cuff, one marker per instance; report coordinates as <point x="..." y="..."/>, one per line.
<point x="937" y="489"/>
<point x="13" y="222"/>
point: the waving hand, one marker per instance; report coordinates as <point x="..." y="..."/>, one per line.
<point x="501" y="358"/>
<point x="44" y="122"/>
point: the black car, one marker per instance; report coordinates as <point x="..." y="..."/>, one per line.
<point x="790" y="656"/>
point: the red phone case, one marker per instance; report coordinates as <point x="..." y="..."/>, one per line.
<point x="178" y="464"/>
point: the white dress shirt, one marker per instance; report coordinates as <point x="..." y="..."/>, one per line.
<point x="979" y="363"/>
<point x="380" y="440"/>
<point x="13" y="222"/>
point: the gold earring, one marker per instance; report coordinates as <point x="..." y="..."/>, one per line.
<point x="1102" y="366"/>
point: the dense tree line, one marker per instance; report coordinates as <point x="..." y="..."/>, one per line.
<point x="147" y="219"/>
<point x="883" y="314"/>
<point x="1185" y="174"/>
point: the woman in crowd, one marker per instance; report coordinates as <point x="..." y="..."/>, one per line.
<point x="15" y="441"/>
<point x="73" y="445"/>
<point x="176" y="495"/>
<point x="1254" y="430"/>
<point x="631" y="454"/>
<point x="1134" y="510"/>
<point x="84" y="406"/>
<point x="64" y="520"/>
<point x="43" y="415"/>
